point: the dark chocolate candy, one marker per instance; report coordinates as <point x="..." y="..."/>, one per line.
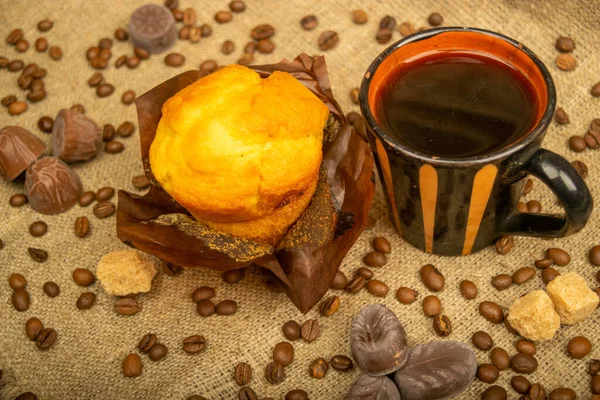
<point x="152" y="27"/>
<point x="75" y="137"/>
<point x="378" y="340"/>
<point x="436" y="370"/>
<point x="373" y="388"/>
<point x="51" y="186"/>
<point x="19" y="148"/>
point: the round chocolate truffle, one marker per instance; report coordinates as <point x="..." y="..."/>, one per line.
<point x="152" y="27"/>
<point x="75" y="137"/>
<point x="51" y="186"/>
<point x="19" y="148"/>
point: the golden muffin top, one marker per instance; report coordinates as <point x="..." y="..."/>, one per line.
<point x="231" y="146"/>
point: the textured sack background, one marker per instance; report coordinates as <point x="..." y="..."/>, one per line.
<point x="86" y="361"/>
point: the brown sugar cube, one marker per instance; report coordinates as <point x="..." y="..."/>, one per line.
<point x="534" y="317"/>
<point x="573" y="300"/>
<point x="125" y="272"/>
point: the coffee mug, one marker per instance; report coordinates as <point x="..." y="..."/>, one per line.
<point x="459" y="205"/>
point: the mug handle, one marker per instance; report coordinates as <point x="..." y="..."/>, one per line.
<point x="566" y="183"/>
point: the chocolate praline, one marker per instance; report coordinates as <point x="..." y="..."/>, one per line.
<point x="75" y="137"/>
<point x="51" y="186"/>
<point x="19" y="148"/>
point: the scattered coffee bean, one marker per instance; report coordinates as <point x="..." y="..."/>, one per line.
<point x="83" y="277"/>
<point x="309" y="22"/>
<point x="86" y="300"/>
<point x="205" y="308"/>
<point x="383" y="36"/>
<point x="491" y="311"/>
<point x="274" y="373"/>
<point x="534" y="206"/>
<point x="494" y="392"/>
<point x="594" y="256"/>
<point x="51" y="289"/>
<point x="205" y="30"/>
<point x="579" y="347"/>
<point x="86" y="198"/>
<point x="55" y="53"/>
<point x="468" y="289"/>
<point x="435" y="19"/>
<point x="502" y="281"/>
<point x="203" y="293"/>
<point x="45" y="25"/>
<point x="354" y="95"/>
<point x="114" y="147"/>
<point x="128" y="97"/>
<point x="132" y="366"/>
<point x="265" y="46"/>
<point x="549" y="274"/>
<point x="365" y="273"/>
<point x="310" y="330"/>
<point x="189" y="17"/>
<point x="297" y="394"/>
<point x="132" y="62"/>
<point x="359" y="17"/>
<point x="36" y="96"/>
<point x="171" y="269"/>
<point x="500" y="358"/>
<point x="406" y="295"/>
<point x="375" y="259"/>
<point x="328" y="40"/>
<point x="22" y="46"/>
<point x="565" y="44"/>
<point x="522" y="207"/>
<point x="46" y="338"/>
<point x="329" y="307"/>
<point x="523" y="363"/>
<point x="104" y="90"/>
<point x="432" y="278"/>
<point x="577" y="144"/>
<point x="520" y="384"/>
<point x="382" y="245"/>
<point x="432" y="306"/>
<point x="243" y="373"/>
<point x="318" y="368"/>
<point x="146" y="343"/>
<point x="17" y="107"/>
<point x="226" y="307"/>
<point x="158" y="352"/>
<point x="227" y="47"/>
<point x="558" y="256"/>
<point x="581" y="168"/>
<point x="45" y="124"/>
<point x="33" y="327"/>
<point x="237" y="6"/>
<point x="355" y="285"/>
<point x="210" y="65"/>
<point x="99" y="63"/>
<point x="15" y="65"/>
<point x="442" y="325"/>
<point x="245" y="59"/>
<point x="283" y="353"/>
<point x="339" y="281"/>
<point x="8" y="100"/>
<point x="593" y="367"/>
<point x="17" y="281"/>
<point x="595" y="90"/>
<point x="291" y="330"/>
<point x="82" y="226"/>
<point x="595" y="384"/>
<point x="127" y="306"/>
<point x="104" y="209"/>
<point x="233" y="275"/>
<point x="223" y="17"/>
<point x="528" y="187"/>
<point x="543" y="263"/>
<point x="174" y="60"/>
<point x="505" y="244"/>
<point x="38" y="228"/>
<point x="246" y="393"/>
<point x="522" y="275"/>
<point x="38" y="255"/>
<point x="388" y="22"/>
<point x="121" y="35"/>
<point x="126" y="129"/>
<point x="487" y="373"/>
<point x="525" y="347"/>
<point x="406" y="28"/>
<point x="482" y="340"/>
<point x="561" y="117"/>
<point x="194" y="344"/>
<point x="562" y="394"/>
<point x="141" y="53"/>
<point x="566" y="62"/>
<point x="41" y="44"/>
<point x="377" y="288"/>
<point x="20" y="299"/>
<point x="105" y="43"/>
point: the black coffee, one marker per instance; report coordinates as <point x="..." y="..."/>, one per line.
<point x="456" y="105"/>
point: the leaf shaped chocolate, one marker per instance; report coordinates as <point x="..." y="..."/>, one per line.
<point x="373" y="388"/>
<point x="436" y="370"/>
<point x="378" y="340"/>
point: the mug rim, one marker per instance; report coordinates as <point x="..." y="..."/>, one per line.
<point x="531" y="136"/>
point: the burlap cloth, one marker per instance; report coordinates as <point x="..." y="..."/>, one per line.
<point x="86" y="361"/>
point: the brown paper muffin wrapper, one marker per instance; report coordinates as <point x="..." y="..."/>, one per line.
<point x="308" y="257"/>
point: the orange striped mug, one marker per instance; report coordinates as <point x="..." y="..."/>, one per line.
<point x="457" y="205"/>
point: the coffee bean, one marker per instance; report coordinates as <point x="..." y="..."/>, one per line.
<point x="226" y="307"/>
<point x="45" y="124"/>
<point x="15" y="65"/>
<point x="128" y="97"/>
<point x="223" y="17"/>
<point x="104" y="209"/>
<point x="86" y="198"/>
<point x="309" y="22"/>
<point x="341" y="363"/>
<point x="537" y="392"/>
<point x="494" y="392"/>
<point x="520" y="384"/>
<point x="383" y="36"/>
<point x="577" y="144"/>
<point x="566" y="62"/>
<point x="33" y="327"/>
<point x="365" y="273"/>
<point x="189" y="17"/>
<point x="406" y="295"/>
<point x="205" y="308"/>
<point x="442" y="325"/>
<point x="14" y="36"/>
<point x="522" y="275"/>
<point x="468" y="289"/>
<point x="171" y="269"/>
<point x="291" y="330"/>
<point x="387" y="22"/>
<point x="121" y="35"/>
<point x="318" y="368"/>
<point x="22" y="46"/>
<point x="595" y="384"/>
<point x="329" y="307"/>
<point x="233" y="275"/>
<point x="375" y="259"/>
<point x="3" y="62"/>
<point x="18" y="107"/>
<point x="237" y="6"/>
<point x="38" y="228"/>
<point x="549" y="274"/>
<point x="126" y="129"/>
<point x="593" y="367"/>
<point x="310" y="330"/>
<point x="174" y="60"/>
<point x="558" y="256"/>
<point x="528" y="187"/>
<point x="579" y="347"/>
<point x="141" y="53"/>
<point x="502" y="281"/>
<point x="205" y="30"/>
<point x="203" y="293"/>
<point x="92" y="52"/>
<point x="432" y="306"/>
<point x="242" y="373"/>
<point x="51" y="289"/>
<point x="339" y="281"/>
<point x="55" y="53"/>
<point x="487" y="373"/>
<point x="283" y="353"/>
<point x="265" y="46"/>
<point x="209" y="66"/>
<point x="17" y="281"/>
<point x="355" y="285"/>
<point x="172" y="4"/>
<point x="432" y="278"/>
<point x="36" y="96"/>
<point x="274" y="373"/>
<point x="354" y="95"/>
<point x="147" y="342"/>
<point x="262" y="31"/>
<point x="98" y="63"/>
<point x="581" y="168"/>
<point x="158" y="352"/>
<point x="406" y="29"/>
<point x="491" y="311"/>
<point x="562" y="394"/>
<point x="82" y="226"/>
<point x="482" y="340"/>
<point x="38" y="255"/>
<point x="505" y="243"/>
<point x="328" y="40"/>
<point x="132" y="366"/>
<point x="522" y="207"/>
<point x="247" y="393"/>
<point x="127" y="306"/>
<point x="525" y="347"/>
<point x="227" y="47"/>
<point x="104" y="90"/>
<point x="20" y="299"/>
<point x="534" y="206"/>
<point x="86" y="300"/>
<point x="594" y="256"/>
<point x="8" y="100"/>
<point x="245" y="59"/>
<point x="523" y="363"/>
<point x="543" y="263"/>
<point x="359" y="17"/>
<point x="560" y="116"/>
<point x="46" y="338"/>
<point x="377" y="288"/>
<point x="435" y="19"/>
<point x="25" y="81"/>
<point x="83" y="277"/>
<point x="500" y="358"/>
<point x="132" y="62"/>
<point x="565" y="44"/>
<point x="45" y="25"/>
<point x="295" y="394"/>
<point x="105" y="43"/>
<point x="194" y="344"/>
<point x="592" y="139"/>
